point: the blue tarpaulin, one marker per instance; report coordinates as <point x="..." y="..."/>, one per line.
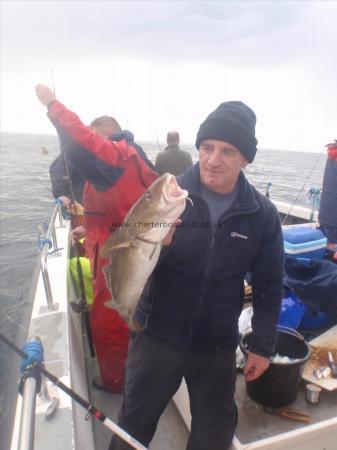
<point x="314" y="282"/>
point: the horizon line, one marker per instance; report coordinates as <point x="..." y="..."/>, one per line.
<point x="183" y="143"/>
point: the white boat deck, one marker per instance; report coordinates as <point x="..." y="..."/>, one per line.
<point x="259" y="430"/>
<point x="172" y="433"/>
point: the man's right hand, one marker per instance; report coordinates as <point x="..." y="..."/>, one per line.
<point x="44" y="94"/>
<point x="66" y="201"/>
<point x="77" y="234"/>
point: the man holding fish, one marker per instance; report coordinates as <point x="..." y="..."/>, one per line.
<point x="186" y="322"/>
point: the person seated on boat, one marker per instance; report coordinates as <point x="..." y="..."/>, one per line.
<point x="173" y="159"/>
<point x="190" y="308"/>
<point x="117" y="173"/>
<point x="327" y="216"/>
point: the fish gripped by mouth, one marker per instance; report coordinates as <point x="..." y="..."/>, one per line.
<point x="134" y="248"/>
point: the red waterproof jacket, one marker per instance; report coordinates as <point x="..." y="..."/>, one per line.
<point x="120" y="175"/>
<point x="332" y="151"/>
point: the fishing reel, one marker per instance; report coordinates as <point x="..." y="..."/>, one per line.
<point x="79" y="306"/>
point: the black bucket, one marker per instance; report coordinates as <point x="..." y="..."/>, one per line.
<point x="279" y="384"/>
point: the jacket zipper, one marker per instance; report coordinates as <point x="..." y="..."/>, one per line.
<point x="196" y="311"/>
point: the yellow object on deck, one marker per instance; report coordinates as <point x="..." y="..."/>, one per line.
<point x="85" y="265"/>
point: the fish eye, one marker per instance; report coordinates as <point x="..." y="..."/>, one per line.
<point x="148" y="196"/>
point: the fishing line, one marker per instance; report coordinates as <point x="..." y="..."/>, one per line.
<point x="155" y="133"/>
<point x="16" y="324"/>
<point x="83" y="304"/>
<point x="47" y="187"/>
<point x="49" y="362"/>
<point x="309" y="175"/>
<point x="66" y="167"/>
<point x="52" y="79"/>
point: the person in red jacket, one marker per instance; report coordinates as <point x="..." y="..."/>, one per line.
<point x="117" y="174"/>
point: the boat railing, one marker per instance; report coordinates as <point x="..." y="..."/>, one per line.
<point x="312" y="195"/>
<point x="27" y="422"/>
<point x="28" y="388"/>
<point x="50" y="241"/>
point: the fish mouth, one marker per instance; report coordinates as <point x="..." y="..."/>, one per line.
<point x="172" y="192"/>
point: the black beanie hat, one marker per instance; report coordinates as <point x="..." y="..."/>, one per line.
<point x="232" y="122"/>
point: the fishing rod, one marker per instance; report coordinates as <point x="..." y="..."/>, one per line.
<point x="68" y="178"/>
<point x="82" y="306"/>
<point x="92" y="410"/>
<point x="42" y="185"/>
<point x="66" y="167"/>
<point x="155" y="133"/>
<point x="52" y="79"/>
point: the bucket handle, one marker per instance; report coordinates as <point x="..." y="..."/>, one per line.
<point x="290" y="331"/>
<point x="244" y="347"/>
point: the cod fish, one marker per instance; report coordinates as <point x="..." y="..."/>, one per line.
<point x="134" y="248"/>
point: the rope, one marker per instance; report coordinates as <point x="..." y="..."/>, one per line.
<point x="315" y="197"/>
<point x="34" y="353"/>
<point x="65" y="214"/>
<point x="55" y="251"/>
<point x="43" y="241"/>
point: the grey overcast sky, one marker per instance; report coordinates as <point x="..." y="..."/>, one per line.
<point x="160" y="65"/>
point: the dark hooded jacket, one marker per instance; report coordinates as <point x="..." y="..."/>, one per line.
<point x="196" y="292"/>
<point x="59" y="179"/>
<point x="173" y="160"/>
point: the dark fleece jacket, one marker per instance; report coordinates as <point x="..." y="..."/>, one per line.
<point x="196" y="292"/>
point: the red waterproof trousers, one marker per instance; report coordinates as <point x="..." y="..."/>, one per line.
<point x="110" y="332"/>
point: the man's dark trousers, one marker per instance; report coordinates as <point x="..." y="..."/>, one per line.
<point x="154" y="371"/>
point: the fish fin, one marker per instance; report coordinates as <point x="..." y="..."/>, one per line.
<point x="109" y="304"/>
<point x="110" y="247"/>
<point x="111" y="282"/>
<point x="105" y="250"/>
<point x="154" y="251"/>
<point x="107" y="274"/>
<point x="125" y="244"/>
<point x="109" y="279"/>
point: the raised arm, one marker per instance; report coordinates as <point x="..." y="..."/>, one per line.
<point x="72" y="126"/>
